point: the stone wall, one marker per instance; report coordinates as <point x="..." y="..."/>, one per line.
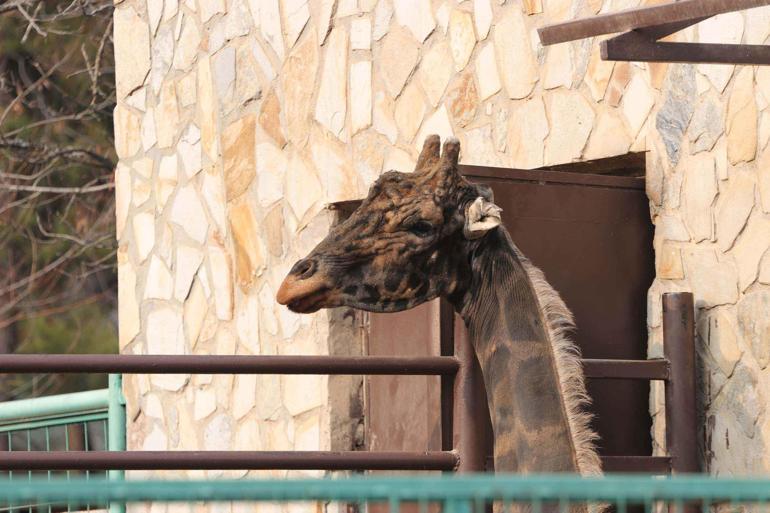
<point x="237" y="121"/>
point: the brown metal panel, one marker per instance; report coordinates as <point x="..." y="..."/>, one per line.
<point x="626" y="369"/>
<point x="592" y="236"/>
<point x="646" y="464"/>
<point x="403" y="412"/>
<point x="473" y="438"/>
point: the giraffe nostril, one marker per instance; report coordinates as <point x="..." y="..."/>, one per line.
<point x="304" y="269"/>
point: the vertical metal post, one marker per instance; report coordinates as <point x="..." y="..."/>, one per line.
<point x="447" y="343"/>
<point x="464" y="403"/>
<point x="679" y="349"/>
<point x="116" y="428"/>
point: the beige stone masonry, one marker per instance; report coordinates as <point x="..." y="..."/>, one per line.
<point x="237" y="121"/>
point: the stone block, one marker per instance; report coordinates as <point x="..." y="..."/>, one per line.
<point x="526" y="141"/>
<point x="462" y="38"/>
<point x="222" y="281"/>
<point x="436" y="68"/>
<point x="303" y="189"/>
<point x="188" y="260"/>
<point x="360" y="96"/>
<point x="486" y="72"/>
<point x="742" y="119"/>
<point x="144" y="234"/>
<point x="163" y="330"/>
<point x="331" y="104"/>
<point x="713" y="282"/>
<point x="410" y="110"/>
<point x="636" y="103"/>
<point x="296" y="14"/>
<point x="733" y="208"/>
<point x="132" y="50"/>
<point x="753" y="242"/>
<point x="187" y="212"/>
<point x="270" y="118"/>
<point x="699" y="191"/>
<point x="463" y="99"/>
<point x="417" y="16"/>
<point x="396" y="60"/>
<point x="238" y="156"/>
<point x="572" y="120"/>
<point x="159" y="283"/>
<point x="514" y="52"/>
<point x="300" y="66"/>
<point x="673" y="117"/>
<point x="754" y="324"/>
<point x="129" y="323"/>
<point x="249" y="255"/>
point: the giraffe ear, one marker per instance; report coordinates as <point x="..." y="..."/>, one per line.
<point x="480" y="217"/>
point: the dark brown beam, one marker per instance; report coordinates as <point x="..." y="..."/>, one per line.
<point x="208" y="364"/>
<point x="228" y="460"/>
<point x="635" y="48"/>
<point x="659" y="31"/>
<point x="323" y="365"/>
<point x="626" y="369"/>
<point x="644" y="464"/>
<point x="630" y="19"/>
<point x="681" y="389"/>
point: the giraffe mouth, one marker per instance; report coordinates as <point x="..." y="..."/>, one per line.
<point x="303" y="296"/>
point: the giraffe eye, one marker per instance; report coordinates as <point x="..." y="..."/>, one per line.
<point x="421" y="228"/>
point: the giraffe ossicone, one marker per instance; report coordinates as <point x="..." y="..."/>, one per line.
<point x="431" y="233"/>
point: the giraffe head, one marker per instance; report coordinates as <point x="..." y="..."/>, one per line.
<point x="408" y="242"/>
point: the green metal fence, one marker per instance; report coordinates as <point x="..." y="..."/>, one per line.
<point x="454" y="493"/>
<point x="83" y="421"/>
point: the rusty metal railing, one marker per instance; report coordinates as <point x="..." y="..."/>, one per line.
<point x="462" y="449"/>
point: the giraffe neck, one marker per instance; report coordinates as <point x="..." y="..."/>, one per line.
<point x="535" y="386"/>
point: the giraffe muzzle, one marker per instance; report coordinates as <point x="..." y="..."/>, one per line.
<point x="303" y="290"/>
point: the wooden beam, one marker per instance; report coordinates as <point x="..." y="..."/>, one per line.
<point x="630" y="19"/>
<point x="633" y="47"/>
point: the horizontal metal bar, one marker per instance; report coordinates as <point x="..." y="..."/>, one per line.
<point x="228" y="460"/>
<point x="640" y="464"/>
<point x="53" y="405"/>
<point x="639" y="17"/>
<point x="464" y="487"/>
<point x="626" y="369"/>
<point x="54" y="421"/>
<point x="218" y="364"/>
<point x="713" y="53"/>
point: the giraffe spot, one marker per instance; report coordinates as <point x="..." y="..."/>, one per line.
<point x="539" y="398"/>
<point x="355" y="274"/>
<point x="393" y="280"/>
<point x="401" y="304"/>
<point x="371" y="293"/>
<point x="350" y="290"/>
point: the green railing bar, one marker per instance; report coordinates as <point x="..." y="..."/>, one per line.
<point x="54" y="421"/>
<point x="116" y="430"/>
<point x="532" y="488"/>
<point x="53" y="405"/>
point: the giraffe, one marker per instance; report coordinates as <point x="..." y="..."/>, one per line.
<point x="431" y="233"/>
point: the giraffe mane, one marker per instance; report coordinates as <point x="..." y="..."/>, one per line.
<point x="559" y="323"/>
